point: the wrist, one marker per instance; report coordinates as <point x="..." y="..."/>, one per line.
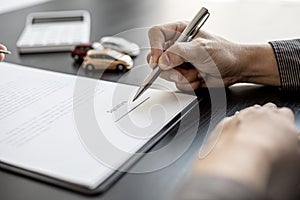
<point x="258" y="65"/>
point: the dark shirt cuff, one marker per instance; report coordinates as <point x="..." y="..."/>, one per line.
<point x="287" y="53"/>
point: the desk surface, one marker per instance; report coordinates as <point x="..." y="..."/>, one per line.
<point x="235" y="21"/>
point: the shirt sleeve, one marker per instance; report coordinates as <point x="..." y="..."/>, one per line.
<point x="216" y="188"/>
<point x="287" y="53"/>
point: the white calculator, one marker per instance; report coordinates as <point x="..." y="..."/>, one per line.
<point x="54" y="31"/>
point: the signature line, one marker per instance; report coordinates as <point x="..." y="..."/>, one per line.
<point x="132" y="109"/>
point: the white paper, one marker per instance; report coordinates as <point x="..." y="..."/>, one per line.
<point x="39" y="130"/>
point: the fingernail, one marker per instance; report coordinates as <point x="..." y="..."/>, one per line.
<point x="174" y="77"/>
<point x="151" y="62"/>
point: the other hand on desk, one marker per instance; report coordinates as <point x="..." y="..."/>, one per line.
<point x="259" y="146"/>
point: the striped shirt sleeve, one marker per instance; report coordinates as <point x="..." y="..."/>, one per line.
<point x="287" y="53"/>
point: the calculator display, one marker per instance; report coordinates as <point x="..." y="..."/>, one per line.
<point x="57" y="19"/>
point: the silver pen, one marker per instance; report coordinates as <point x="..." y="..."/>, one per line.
<point x="188" y="34"/>
<point x="5" y="51"/>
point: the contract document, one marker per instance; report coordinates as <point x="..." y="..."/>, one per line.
<point x="51" y="123"/>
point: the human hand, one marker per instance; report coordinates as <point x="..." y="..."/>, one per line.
<point x="257" y="145"/>
<point x="217" y="62"/>
<point x="2" y="56"/>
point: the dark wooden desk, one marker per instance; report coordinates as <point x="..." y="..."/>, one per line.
<point x="112" y="17"/>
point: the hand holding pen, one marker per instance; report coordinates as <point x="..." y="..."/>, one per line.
<point x="189" y="32"/>
<point x="215" y="61"/>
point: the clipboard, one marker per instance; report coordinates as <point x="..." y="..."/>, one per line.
<point x="6" y="68"/>
<point x="103" y="187"/>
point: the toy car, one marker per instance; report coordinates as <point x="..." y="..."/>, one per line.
<point x="121" y="45"/>
<point x="79" y="51"/>
<point x="107" y="59"/>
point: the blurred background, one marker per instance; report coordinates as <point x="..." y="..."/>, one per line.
<point x="234" y="19"/>
<point x="245" y="21"/>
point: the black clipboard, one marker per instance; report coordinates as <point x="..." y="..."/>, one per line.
<point x="113" y="178"/>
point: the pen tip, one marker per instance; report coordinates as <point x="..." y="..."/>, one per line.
<point x="139" y="92"/>
<point x="135" y="98"/>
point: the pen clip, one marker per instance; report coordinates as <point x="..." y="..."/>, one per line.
<point x="197" y="28"/>
<point x="193" y="27"/>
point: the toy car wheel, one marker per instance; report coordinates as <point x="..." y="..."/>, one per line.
<point x="121" y="68"/>
<point x="76" y="57"/>
<point x="90" y="67"/>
